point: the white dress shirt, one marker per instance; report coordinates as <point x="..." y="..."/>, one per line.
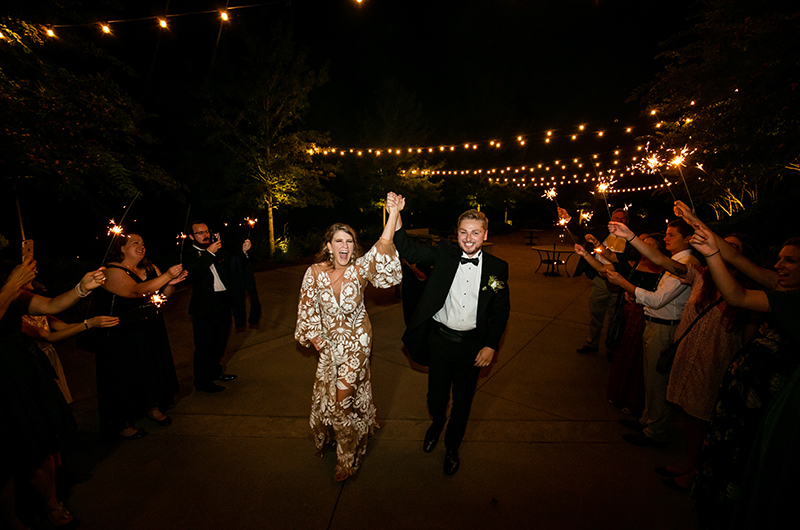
<point x="667" y="301"/>
<point x="460" y="310"/>
<point x="218" y="285"/>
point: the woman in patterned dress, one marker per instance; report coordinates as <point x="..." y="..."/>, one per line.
<point x="331" y="316"/>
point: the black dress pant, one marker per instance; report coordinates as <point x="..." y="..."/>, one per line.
<point x="210" y="331"/>
<point x="243" y="279"/>
<point x="452" y="366"/>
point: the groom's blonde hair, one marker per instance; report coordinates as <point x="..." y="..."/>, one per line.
<point x="473" y="215"/>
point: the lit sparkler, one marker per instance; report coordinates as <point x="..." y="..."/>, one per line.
<point x="250" y="224"/>
<point x="115" y="230"/>
<point x="603" y="188"/>
<point x="651" y="165"/>
<point x="678" y="161"/>
<point x="551" y="195"/>
<point x="158" y="299"/>
<point x="586" y="217"/>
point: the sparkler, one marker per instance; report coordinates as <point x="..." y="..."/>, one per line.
<point x="551" y="195"/>
<point x="603" y="188"/>
<point x="651" y="165"/>
<point x="586" y="217"/>
<point x="250" y="224"/>
<point x="680" y="158"/>
<point x="115" y="230"/>
<point x="158" y="299"/>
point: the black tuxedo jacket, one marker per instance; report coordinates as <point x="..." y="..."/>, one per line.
<point x="198" y="264"/>
<point x="493" y="304"/>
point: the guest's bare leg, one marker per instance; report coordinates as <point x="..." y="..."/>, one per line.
<point x="43" y="481"/>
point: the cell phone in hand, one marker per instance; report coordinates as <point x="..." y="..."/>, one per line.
<point x="27" y="248"/>
<point x="215" y="237"/>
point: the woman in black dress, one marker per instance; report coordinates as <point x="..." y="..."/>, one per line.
<point x="135" y="369"/>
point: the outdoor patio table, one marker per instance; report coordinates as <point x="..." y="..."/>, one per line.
<point x="551" y="255"/>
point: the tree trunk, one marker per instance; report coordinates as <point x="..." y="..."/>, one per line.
<point x="271" y="231"/>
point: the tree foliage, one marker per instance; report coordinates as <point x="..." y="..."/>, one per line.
<point x="255" y="109"/>
<point x="68" y="129"/>
<point x="730" y="90"/>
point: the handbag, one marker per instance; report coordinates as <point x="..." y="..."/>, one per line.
<point x="667" y="355"/>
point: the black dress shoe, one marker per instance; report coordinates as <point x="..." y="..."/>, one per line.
<point x="431" y="439"/>
<point x="451" y="462"/>
<point x="225" y="377"/>
<point x="631" y="424"/>
<point x="587" y="349"/>
<point x="641" y="439"/>
<point x="211" y="389"/>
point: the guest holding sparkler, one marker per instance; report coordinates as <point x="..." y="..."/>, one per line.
<point x="762" y="372"/>
<point x="663" y="310"/>
<point x="710" y="333"/>
<point x="135" y="370"/>
<point x="36" y="418"/>
<point x="626" y="377"/>
<point x="602" y="300"/>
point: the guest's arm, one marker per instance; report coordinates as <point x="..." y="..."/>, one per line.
<point x="732" y="291"/>
<point x="22" y="275"/>
<point x="596" y="265"/>
<point x="123" y="285"/>
<point x="62" y="330"/>
<point x="670" y="265"/>
<point x="39" y="305"/>
<point x="765" y="277"/>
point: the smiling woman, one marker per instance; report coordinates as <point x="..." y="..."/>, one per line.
<point x="332" y="317"/>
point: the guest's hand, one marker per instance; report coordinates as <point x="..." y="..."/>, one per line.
<point x="614" y="277"/>
<point x="401" y="203"/>
<point x="591" y="239"/>
<point x="246" y="246"/>
<point x="704" y="241"/>
<point x="563" y="214"/>
<point x="174" y="271"/>
<point x="580" y="251"/>
<point x="484" y="357"/>
<point x="215" y="246"/>
<point x="681" y="210"/>
<point x="102" y="322"/>
<point x="629" y="297"/>
<point x="93" y="280"/>
<point x="620" y="230"/>
<point x="179" y="278"/>
<point x="22" y="275"/>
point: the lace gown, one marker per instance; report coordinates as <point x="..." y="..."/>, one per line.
<point x="334" y="311"/>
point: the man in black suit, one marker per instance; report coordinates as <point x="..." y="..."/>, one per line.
<point x="210" y="274"/>
<point x="457" y="326"/>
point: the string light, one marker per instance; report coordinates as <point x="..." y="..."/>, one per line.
<point x="224" y="15"/>
<point x="162" y="22"/>
<point x="105" y="28"/>
<point x="50" y="32"/>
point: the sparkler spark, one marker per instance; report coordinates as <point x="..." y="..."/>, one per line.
<point x="114" y="228"/>
<point x="586" y="216"/>
<point x="158" y="299"/>
<point x="550" y="194"/>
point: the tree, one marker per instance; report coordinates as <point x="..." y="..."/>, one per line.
<point x="730" y="91"/>
<point x="69" y="133"/>
<point x="255" y="109"/>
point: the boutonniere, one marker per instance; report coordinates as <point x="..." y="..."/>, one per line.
<point x="494" y="284"/>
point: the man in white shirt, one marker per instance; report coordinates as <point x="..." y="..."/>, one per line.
<point x="209" y="272"/>
<point x="663" y="310"/>
<point x="457" y="326"/>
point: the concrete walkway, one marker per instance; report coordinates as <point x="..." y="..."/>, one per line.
<point x="543" y="448"/>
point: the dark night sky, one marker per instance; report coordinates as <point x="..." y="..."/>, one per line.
<point x="478" y="68"/>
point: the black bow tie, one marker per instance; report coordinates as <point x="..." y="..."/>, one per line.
<point x="474" y="261"/>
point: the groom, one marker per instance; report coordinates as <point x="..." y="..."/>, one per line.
<point x="456" y="328"/>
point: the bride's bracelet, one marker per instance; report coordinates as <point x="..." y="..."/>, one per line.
<point x="79" y="290"/>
